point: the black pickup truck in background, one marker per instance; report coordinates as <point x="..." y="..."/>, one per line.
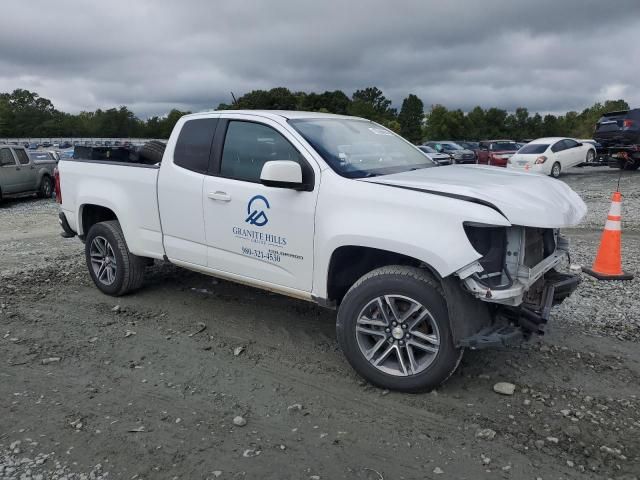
<point x="619" y="135"/>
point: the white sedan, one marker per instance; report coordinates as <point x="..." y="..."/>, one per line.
<point x="552" y="155"/>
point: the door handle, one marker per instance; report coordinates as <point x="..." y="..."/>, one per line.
<point x="220" y="196"/>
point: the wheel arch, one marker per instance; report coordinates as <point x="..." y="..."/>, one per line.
<point x="348" y="263"/>
<point x="89" y="214"/>
<point x="42" y="174"/>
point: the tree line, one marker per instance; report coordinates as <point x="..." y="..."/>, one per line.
<point x="26" y="114"/>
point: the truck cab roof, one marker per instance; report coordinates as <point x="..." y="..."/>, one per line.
<point x="275" y="114"/>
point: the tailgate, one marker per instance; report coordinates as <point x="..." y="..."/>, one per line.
<point x="611" y="122"/>
<point x="612" y="129"/>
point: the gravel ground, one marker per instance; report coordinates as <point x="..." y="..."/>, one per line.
<point x="194" y="377"/>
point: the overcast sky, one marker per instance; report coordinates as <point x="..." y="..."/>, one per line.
<point x="154" y="55"/>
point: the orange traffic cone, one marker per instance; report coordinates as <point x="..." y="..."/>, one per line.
<point x="608" y="263"/>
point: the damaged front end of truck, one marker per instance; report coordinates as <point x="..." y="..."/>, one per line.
<point x="506" y="295"/>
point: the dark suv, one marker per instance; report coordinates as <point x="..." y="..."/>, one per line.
<point x="618" y="128"/>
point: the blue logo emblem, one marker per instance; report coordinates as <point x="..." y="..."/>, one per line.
<point x="255" y="209"/>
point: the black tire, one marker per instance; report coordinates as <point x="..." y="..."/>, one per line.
<point x="591" y="156"/>
<point x="152" y="152"/>
<point x="416" y="284"/>
<point x="633" y="165"/>
<point x="129" y="271"/>
<point x="46" y="187"/>
<point x="556" y="169"/>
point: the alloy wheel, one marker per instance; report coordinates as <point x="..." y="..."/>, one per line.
<point x="103" y="260"/>
<point x="397" y="335"/>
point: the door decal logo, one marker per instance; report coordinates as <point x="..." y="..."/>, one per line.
<point x="255" y="210"/>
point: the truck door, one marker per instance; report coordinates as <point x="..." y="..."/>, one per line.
<point x="9" y="172"/>
<point x="180" y="184"/>
<point x="28" y="173"/>
<point x="255" y="231"/>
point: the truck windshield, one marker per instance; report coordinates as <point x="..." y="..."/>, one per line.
<point x="360" y="148"/>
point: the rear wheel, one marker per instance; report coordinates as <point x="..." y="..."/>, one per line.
<point x="634" y="164"/>
<point x="555" y="170"/>
<point x="46" y="187"/>
<point x="113" y="268"/>
<point x="393" y="327"/>
<point x="591" y="155"/>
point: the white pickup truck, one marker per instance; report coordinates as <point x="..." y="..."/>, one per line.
<point x="420" y="261"/>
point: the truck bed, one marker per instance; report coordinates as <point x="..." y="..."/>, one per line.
<point x="127" y="189"/>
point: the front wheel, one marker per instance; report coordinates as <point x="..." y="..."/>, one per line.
<point x="555" y="170"/>
<point x="113" y="268"/>
<point x="393" y="327"/>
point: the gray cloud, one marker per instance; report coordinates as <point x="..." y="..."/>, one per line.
<point x="153" y="55"/>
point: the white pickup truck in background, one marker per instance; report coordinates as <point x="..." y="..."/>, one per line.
<point x="421" y="261"/>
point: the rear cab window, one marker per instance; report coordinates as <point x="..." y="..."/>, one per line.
<point x="23" y="158"/>
<point x="193" y="147"/>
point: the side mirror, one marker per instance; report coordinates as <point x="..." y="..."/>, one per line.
<point x="580" y="144"/>
<point x="282" y="174"/>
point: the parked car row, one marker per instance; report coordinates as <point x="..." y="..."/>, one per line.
<point x="457" y="153"/>
<point x="549" y="156"/>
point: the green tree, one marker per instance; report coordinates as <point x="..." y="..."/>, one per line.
<point x="331" y="102"/>
<point x="410" y="118"/>
<point x="476" y="124"/>
<point x="437" y="127"/>
<point x="550" y="126"/>
<point x="495" y="123"/>
<point x="279" y="98"/>
<point x="5" y="119"/>
<point x="372" y="104"/>
<point x="167" y="123"/>
<point x="534" y="126"/>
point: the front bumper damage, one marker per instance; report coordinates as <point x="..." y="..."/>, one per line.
<point x="512" y="325"/>
<point x="519" y="297"/>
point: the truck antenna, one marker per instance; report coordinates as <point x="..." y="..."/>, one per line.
<point x="234" y="98"/>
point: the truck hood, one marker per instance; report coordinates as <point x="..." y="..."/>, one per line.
<point x="522" y="198"/>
